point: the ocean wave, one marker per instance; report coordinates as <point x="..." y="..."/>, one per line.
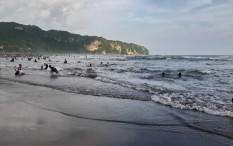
<point x="134" y="70"/>
<point x="215" y="63"/>
<point x="140" y="87"/>
<point x="94" y="90"/>
<point x="204" y="72"/>
<point x="190" y="58"/>
<point x="180" y="99"/>
<point x="194" y="104"/>
<point x="149" y="57"/>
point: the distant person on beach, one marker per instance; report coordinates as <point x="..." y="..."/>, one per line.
<point x="13" y="60"/>
<point x="179" y="75"/>
<point x="35" y="60"/>
<point x="18" y="71"/>
<point x="46" y="66"/>
<point x="53" y="69"/>
<point x="65" y="61"/>
<point x="163" y="74"/>
<point x="90" y="64"/>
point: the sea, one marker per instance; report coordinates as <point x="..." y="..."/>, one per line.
<point x="206" y="84"/>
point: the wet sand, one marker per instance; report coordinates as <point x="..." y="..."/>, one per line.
<point x="34" y="115"/>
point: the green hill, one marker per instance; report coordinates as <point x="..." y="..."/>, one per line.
<point x="31" y="39"/>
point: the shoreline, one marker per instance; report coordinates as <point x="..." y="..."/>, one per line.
<point x="111" y="111"/>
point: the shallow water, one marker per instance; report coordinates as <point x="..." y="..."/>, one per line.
<point x="206" y="84"/>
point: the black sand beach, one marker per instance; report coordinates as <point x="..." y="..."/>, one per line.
<point x="34" y="115"/>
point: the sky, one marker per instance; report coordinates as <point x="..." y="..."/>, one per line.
<point x="164" y="27"/>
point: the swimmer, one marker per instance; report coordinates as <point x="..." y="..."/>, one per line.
<point x="179" y="75"/>
<point x="53" y="69"/>
<point x="35" y="60"/>
<point x="107" y="64"/>
<point x="65" y="61"/>
<point x="101" y="64"/>
<point x="13" y="60"/>
<point x="163" y="74"/>
<point x="42" y="67"/>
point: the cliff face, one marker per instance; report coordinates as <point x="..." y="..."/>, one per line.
<point x="27" y="38"/>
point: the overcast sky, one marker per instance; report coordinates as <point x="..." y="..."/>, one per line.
<point x="165" y="27"/>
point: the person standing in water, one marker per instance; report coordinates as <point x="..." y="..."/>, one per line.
<point x="46" y="66"/>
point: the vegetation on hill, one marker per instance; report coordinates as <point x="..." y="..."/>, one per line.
<point x="31" y="39"/>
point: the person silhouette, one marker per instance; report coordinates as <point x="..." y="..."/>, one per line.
<point x="179" y="75"/>
<point x="163" y="74"/>
<point x="65" y="61"/>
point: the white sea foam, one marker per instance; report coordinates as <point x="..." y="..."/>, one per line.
<point x="192" y="105"/>
<point x="204" y="71"/>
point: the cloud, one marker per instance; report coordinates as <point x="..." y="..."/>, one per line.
<point x="44" y="13"/>
<point x="163" y="26"/>
<point x="48" y="13"/>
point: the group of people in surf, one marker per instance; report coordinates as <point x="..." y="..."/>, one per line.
<point x="53" y="69"/>
<point x="19" y="72"/>
<point x="45" y="66"/>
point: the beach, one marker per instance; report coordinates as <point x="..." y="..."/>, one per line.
<point x="32" y="115"/>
